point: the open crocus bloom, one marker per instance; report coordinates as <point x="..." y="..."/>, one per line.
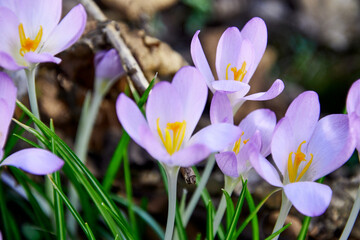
<point x="172" y="111"/>
<point x="353" y="110"/>
<point x="32" y="160"/>
<point x="256" y="128"/>
<point x="305" y="149"/>
<point x="237" y="57"/>
<point x="31" y="32"/>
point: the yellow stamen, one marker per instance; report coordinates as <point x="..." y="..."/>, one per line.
<point x="27" y="44"/>
<point x="237" y="144"/>
<point x="238" y="74"/>
<point x="172" y="143"/>
<point x="293" y="167"/>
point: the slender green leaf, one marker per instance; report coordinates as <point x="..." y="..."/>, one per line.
<point x="278" y="232"/>
<point x="254" y="220"/>
<point x="209" y="221"/>
<point x="230" y="209"/>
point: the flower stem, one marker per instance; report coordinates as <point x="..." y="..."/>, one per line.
<point x="30" y="75"/>
<point x="284" y="211"/>
<point x="171" y="174"/>
<point x="352" y="218"/>
<point x="229" y="187"/>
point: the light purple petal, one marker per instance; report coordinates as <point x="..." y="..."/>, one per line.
<point x="264" y="168"/>
<point x="243" y="157"/>
<point x="303" y="114"/>
<point x="192" y="90"/>
<point x="164" y="103"/>
<point x="67" y="32"/>
<point x="130" y="117"/>
<point x="108" y="64"/>
<point x="255" y="31"/>
<point x="5" y="120"/>
<point x="220" y="109"/>
<point x="246" y="55"/>
<point x="310" y="198"/>
<point x="231" y="86"/>
<point x="228" y="50"/>
<point x="331" y="144"/>
<point x="263" y="120"/>
<point x="355" y="128"/>
<point x="227" y="163"/>
<point x="35" y="161"/>
<point x="35" y="13"/>
<point x="8" y="62"/>
<point x="216" y="136"/>
<point x="353" y="98"/>
<point x="33" y="57"/>
<point x="200" y="61"/>
<point x="190" y="155"/>
<point x="8" y="91"/>
<point x="274" y="91"/>
<point x="283" y="143"/>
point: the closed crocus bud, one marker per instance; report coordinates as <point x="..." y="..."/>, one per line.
<point x="108" y="68"/>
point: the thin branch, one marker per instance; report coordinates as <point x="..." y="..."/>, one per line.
<point x="112" y="31"/>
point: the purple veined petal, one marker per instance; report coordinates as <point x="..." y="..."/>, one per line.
<point x="220" y="109"/>
<point x="227" y="163"/>
<point x="200" y="61"/>
<point x="243" y="157"/>
<point x="216" y="136"/>
<point x="130" y="117"/>
<point x="33" y="57"/>
<point x="353" y="98"/>
<point x="283" y="143"/>
<point x="108" y="64"/>
<point x="256" y="32"/>
<point x="8" y="91"/>
<point x="5" y="120"/>
<point x="231" y="86"/>
<point x="67" y="32"/>
<point x="164" y="103"/>
<point x="1" y="153"/>
<point x="246" y="55"/>
<point x="35" y="13"/>
<point x="263" y="167"/>
<point x="331" y="144"/>
<point x="310" y="198"/>
<point x="303" y="114"/>
<point x="192" y="90"/>
<point x="154" y="147"/>
<point x="228" y="50"/>
<point x="276" y="88"/>
<point x="190" y="155"/>
<point x="8" y="62"/>
<point x="263" y="120"/>
<point x="7" y="4"/>
<point x="355" y="128"/>
<point x="35" y="161"/>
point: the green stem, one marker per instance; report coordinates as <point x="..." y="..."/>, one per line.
<point x="196" y="195"/>
<point x="284" y="211"/>
<point x="30" y="74"/>
<point x="171" y="174"/>
<point x="352" y="218"/>
<point x="229" y="187"/>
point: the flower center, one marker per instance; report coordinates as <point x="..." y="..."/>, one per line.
<point x="238" y="74"/>
<point x="237" y="144"/>
<point x="293" y="167"/>
<point x="172" y="142"/>
<point x="27" y="44"/>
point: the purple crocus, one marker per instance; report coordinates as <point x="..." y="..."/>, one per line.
<point x="32" y="160"/>
<point x="31" y="32"/>
<point x="237" y="56"/>
<point x="353" y="110"/>
<point x="172" y="111"/>
<point x="305" y="149"/>
<point x="256" y="128"/>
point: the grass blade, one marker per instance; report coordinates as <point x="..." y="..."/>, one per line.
<point x="278" y="232"/>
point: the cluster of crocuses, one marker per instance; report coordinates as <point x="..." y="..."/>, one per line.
<point x="303" y="147"/>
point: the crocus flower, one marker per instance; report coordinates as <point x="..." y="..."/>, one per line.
<point x="256" y="128"/>
<point x="31" y="32"/>
<point x="108" y="68"/>
<point x="353" y="110"/>
<point x="32" y="160"/>
<point x="172" y="111"/>
<point x="305" y="149"/>
<point x="237" y="57"/>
